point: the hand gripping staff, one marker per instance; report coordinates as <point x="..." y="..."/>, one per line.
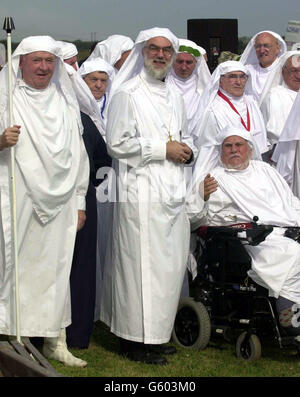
<point x="8" y="27"/>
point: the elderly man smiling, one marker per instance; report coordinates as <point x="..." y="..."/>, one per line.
<point x="52" y="173"/>
<point x="261" y="56"/>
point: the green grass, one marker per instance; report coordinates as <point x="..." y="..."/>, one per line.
<point x="217" y="360"/>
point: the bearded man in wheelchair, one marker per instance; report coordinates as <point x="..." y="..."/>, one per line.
<point x="236" y="186"/>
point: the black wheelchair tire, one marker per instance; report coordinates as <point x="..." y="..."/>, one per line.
<point x="192" y="327"/>
<point x="250" y="350"/>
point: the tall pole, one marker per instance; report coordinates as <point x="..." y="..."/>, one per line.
<point x="8" y="27"/>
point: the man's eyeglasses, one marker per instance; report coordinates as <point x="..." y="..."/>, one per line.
<point x="154" y="49"/>
<point x="258" y="46"/>
<point x="242" y="77"/>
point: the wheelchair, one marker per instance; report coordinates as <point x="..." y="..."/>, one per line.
<point x="224" y="301"/>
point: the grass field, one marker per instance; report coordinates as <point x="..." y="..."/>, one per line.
<point x="217" y="360"/>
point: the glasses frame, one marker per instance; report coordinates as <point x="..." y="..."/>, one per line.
<point x="154" y="49"/>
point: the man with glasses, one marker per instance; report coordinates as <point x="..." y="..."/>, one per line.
<point x="149" y="243"/>
<point x="224" y="103"/>
<point x="261" y="56"/>
<point x="280" y="93"/>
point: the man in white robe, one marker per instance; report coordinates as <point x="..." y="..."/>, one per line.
<point x="114" y="50"/>
<point x="51" y="177"/>
<point x="147" y="254"/>
<point x="287" y="151"/>
<point x="238" y="189"/>
<point x="70" y="53"/>
<point x="280" y="93"/>
<point x="224" y="103"/>
<point x="260" y="56"/>
<point x="189" y="75"/>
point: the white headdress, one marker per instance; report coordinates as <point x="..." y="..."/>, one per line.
<point x="69" y="50"/>
<point x="211" y="89"/>
<point x="249" y="54"/>
<point x="112" y="48"/>
<point x="60" y="75"/>
<point x="45" y="161"/>
<point x="275" y="78"/>
<point x="97" y="65"/>
<point x="135" y="61"/>
<point x="238" y="131"/>
<point x="86" y="100"/>
<point x="201" y="71"/>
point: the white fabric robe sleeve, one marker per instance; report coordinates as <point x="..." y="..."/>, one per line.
<point x="82" y="178"/>
<point x="123" y="138"/>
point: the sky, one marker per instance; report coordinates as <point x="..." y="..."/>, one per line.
<point x="97" y="19"/>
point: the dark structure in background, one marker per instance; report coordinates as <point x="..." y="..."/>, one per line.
<point x="215" y="36"/>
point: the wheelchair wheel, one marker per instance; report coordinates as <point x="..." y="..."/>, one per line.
<point x="250" y="349"/>
<point x="192" y="326"/>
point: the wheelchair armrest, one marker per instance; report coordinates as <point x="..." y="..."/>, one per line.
<point x="258" y="234"/>
<point x="293" y="233"/>
<point x="213" y="231"/>
<point x="253" y="235"/>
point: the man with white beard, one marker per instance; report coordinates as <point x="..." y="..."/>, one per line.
<point x="240" y="187"/>
<point x="149" y="241"/>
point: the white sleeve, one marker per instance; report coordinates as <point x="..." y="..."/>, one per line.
<point x="123" y="140"/>
<point x="83" y="177"/>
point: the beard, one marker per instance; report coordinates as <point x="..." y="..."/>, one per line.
<point x="158" y="74"/>
<point x="239" y="166"/>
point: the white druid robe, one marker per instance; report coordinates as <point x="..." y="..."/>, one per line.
<point x="220" y="115"/>
<point x="275" y="109"/>
<point x="287" y="152"/>
<point x="259" y="190"/>
<point x="259" y="77"/>
<point x="147" y="254"/>
<point x="189" y="90"/>
<point x="51" y="174"/>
